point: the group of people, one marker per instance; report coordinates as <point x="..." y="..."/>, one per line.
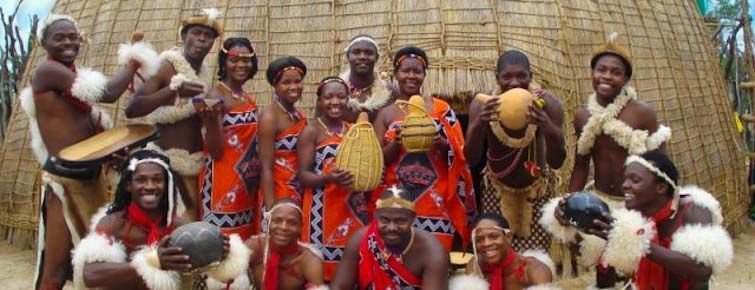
<point x="267" y="177"/>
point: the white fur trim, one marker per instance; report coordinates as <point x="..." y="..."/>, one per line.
<point x="176" y="81"/>
<point x="95" y="248"/>
<point x="628" y="241"/>
<point x="707" y="244"/>
<point x="97" y="217"/>
<point x="153" y="276"/>
<point x="542" y="257"/>
<point x="543" y="287"/>
<point x="171" y="114"/>
<point x="235" y="263"/>
<point x="141" y="52"/>
<point x="212" y="14"/>
<point x="26" y="98"/>
<point x="379" y="94"/>
<point x="363" y="38"/>
<point x="182" y="108"/>
<point x="239" y="283"/>
<point x="657" y="139"/>
<point x="52" y="19"/>
<point x="468" y="282"/>
<point x="565" y="234"/>
<point x="89" y="85"/>
<point x="702" y="198"/>
<point x="590" y="249"/>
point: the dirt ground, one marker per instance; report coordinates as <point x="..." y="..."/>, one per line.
<point x="17" y="268"/>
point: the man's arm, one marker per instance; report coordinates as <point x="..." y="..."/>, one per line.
<point x="581" y="162"/>
<point x="212" y="122"/>
<point x="112" y="276"/>
<point x="313" y="273"/>
<point x="119" y="82"/>
<point x="538" y="273"/>
<point x="52" y="76"/>
<point x="435" y="272"/>
<point x="554" y="132"/>
<point x="348" y="270"/>
<point x="475" y="139"/>
<point x="649" y="120"/>
<point x="153" y="93"/>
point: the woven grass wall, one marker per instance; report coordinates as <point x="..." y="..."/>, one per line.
<point x="676" y="69"/>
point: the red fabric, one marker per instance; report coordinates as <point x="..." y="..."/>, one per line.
<point x="272" y="266"/>
<point x="649" y="274"/>
<point x="68" y="97"/>
<point x="495" y="272"/>
<point x="285" y="166"/>
<point x="139" y="218"/>
<point x="375" y="270"/>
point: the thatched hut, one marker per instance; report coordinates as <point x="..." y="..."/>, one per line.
<point x="676" y="68"/>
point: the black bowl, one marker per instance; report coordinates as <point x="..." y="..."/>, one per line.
<point x="201" y="241"/>
<point x="583" y="208"/>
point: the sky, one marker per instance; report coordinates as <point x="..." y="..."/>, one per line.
<point x="28" y="8"/>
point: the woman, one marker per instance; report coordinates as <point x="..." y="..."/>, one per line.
<point x="230" y="180"/>
<point x="439" y="179"/>
<point x="280" y="126"/>
<point x="332" y="213"/>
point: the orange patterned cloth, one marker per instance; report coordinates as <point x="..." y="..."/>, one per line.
<point x="440" y="185"/>
<point x="331" y="213"/>
<point x="285" y="166"/>
<point x="230" y="185"/>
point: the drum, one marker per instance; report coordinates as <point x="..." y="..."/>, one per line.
<point x="583" y="208"/>
<point x="201" y="241"/>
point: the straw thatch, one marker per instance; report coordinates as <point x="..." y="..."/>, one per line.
<point x="676" y="69"/>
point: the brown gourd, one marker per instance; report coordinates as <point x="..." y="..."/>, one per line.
<point x="360" y="154"/>
<point x="513" y="108"/>
<point x="418" y="129"/>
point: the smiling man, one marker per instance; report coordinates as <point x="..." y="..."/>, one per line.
<point x="368" y="93"/>
<point x="390" y="253"/>
<point x="165" y="100"/>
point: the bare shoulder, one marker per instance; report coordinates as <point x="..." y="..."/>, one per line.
<point x="48" y="72"/>
<point x="537" y="271"/>
<point x="431" y="248"/>
<point x="641" y="108"/>
<point x="580" y="117"/>
<point x="111" y="224"/>
<point x="695" y="214"/>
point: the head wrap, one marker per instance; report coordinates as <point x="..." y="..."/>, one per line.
<point x="410" y="52"/>
<point x="612" y="47"/>
<point x="276" y="68"/>
<point x="207" y="17"/>
<point x="52" y="19"/>
<point x="362" y="37"/>
<point x="395" y="197"/>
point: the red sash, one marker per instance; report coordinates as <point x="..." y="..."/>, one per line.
<point x="380" y="273"/>
<point x="650" y="275"/>
<point x="154" y="231"/>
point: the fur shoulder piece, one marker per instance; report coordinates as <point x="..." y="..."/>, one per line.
<point x="182" y="108"/>
<point x="175" y="58"/>
<point x="590" y="249"/>
<point x="148" y="266"/>
<point x="628" y="241"/>
<point x="549" y="286"/>
<point x="26" y="98"/>
<point x="141" y="52"/>
<point x="702" y="198"/>
<point x="565" y="234"/>
<point x="543" y="257"/>
<point x="379" y="94"/>
<point x="468" y="282"/>
<point x="707" y="244"/>
<point x="235" y="263"/>
<point x="95" y="248"/>
<point x="89" y="85"/>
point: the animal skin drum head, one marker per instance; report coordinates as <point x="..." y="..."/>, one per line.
<point x="201" y="241"/>
<point x="583" y="208"/>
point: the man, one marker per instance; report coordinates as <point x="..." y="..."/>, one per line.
<point x="122" y="252"/>
<point x="514" y="186"/>
<point x="390" y="253"/>
<point x="165" y="100"/>
<point x="368" y="92"/>
<point x="278" y="260"/>
<point x="61" y="106"/>
<point x="668" y="237"/>
<point x="612" y="125"/>
<point x="499" y="264"/>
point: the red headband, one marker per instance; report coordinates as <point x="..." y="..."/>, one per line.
<point x="414" y="56"/>
<point x="288" y="68"/>
<point x="236" y="54"/>
<point x="333" y="80"/>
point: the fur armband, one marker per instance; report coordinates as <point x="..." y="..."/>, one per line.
<point x="89" y="85"/>
<point x="468" y="282"/>
<point x="176" y="81"/>
<point x="590" y="249"/>
<point x="92" y="249"/>
<point x="235" y="263"/>
<point x="707" y="244"/>
<point x="565" y="234"/>
<point x="548" y="286"/>
<point x="146" y="263"/>
<point x="141" y="52"/>
<point x="704" y="199"/>
<point x="628" y="241"/>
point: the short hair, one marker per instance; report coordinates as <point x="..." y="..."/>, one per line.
<point x="410" y="50"/>
<point x="512" y="57"/>
<point x="277" y="66"/>
<point x="497" y="218"/>
<point x="664" y="163"/>
<point x="228" y="44"/>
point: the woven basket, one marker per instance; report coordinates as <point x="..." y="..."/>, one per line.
<point x="417" y="130"/>
<point x="360" y="154"/>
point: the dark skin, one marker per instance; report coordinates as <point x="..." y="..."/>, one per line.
<point x="332" y="107"/>
<point x="155" y="92"/>
<point x="62" y="125"/>
<point x="148" y="190"/>
<point x="285" y="229"/>
<point x="493" y="245"/>
<point x="648" y="196"/>
<point x="238" y="70"/>
<point x="409" y="75"/>
<point x="274" y="120"/>
<point x="426" y="258"/>
<point x="362" y="57"/>
<point x="550" y="144"/>
<point x="608" y="78"/>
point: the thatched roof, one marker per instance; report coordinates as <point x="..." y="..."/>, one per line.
<point x="676" y="69"/>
